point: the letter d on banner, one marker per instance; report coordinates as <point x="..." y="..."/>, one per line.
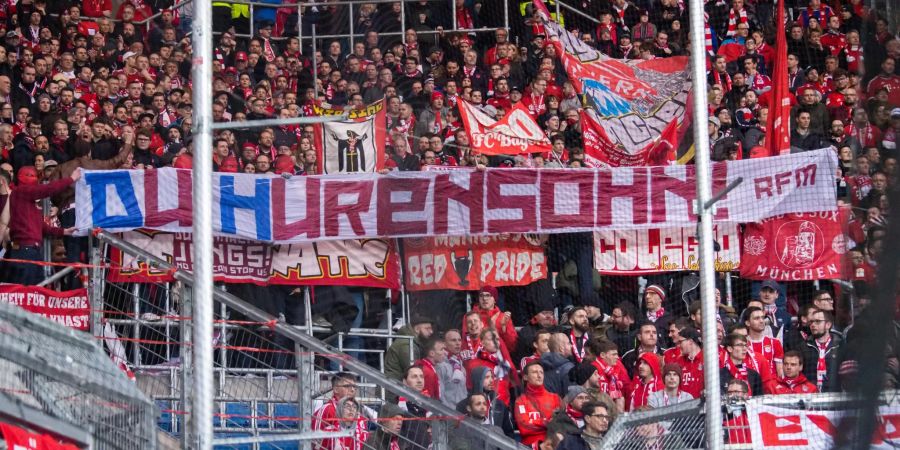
<point x="117" y="207"/>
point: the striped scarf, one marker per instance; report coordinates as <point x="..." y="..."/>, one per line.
<point x="734" y="19"/>
<point x="708" y="35"/>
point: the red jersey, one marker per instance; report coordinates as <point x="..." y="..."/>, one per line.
<point x="432" y="380"/>
<point x="533" y="411"/>
<point x="891" y="83"/>
<point x="672" y="355"/>
<point x="769" y="351"/>
<point x="692" y="374"/>
<point x="613" y="379"/>
<point x="834" y="42"/>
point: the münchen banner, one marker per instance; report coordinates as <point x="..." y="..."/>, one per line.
<point x="794" y="247"/>
<point x="470" y="263"/>
<point x="68" y="308"/>
<point x="352" y="145"/>
<point x="453" y="203"/>
<point x="655" y="250"/>
<point x="363" y="262"/>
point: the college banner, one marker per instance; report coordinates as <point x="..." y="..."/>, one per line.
<point x="453" y="203"/>
<point x="353" y="145"/>
<point x="638" y="108"/>
<point x="364" y="262"/>
<point x="514" y="133"/>
<point x="470" y="263"/>
<point x="69" y="308"/>
<point x="793" y="247"/>
<point x="655" y="250"/>
<point x="774" y="427"/>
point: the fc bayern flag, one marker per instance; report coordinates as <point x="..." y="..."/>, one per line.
<point x="794" y="247"/>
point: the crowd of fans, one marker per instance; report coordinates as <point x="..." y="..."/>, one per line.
<point x="86" y="85"/>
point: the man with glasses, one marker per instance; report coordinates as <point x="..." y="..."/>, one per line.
<point x="734" y="366"/>
<point x="824" y="301"/>
<point x="344" y="385"/>
<point x="596" y="423"/>
<point x="820" y="352"/>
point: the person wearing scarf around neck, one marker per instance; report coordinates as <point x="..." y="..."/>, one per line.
<point x="671" y="393"/>
<point x="646" y="381"/>
<point x="494" y="318"/>
<point x="654" y="312"/>
<point x="793" y="381"/>
<point x="613" y="376"/>
<point x="579" y="335"/>
<point x="492" y="355"/>
<point x="736" y="364"/>
<point x="433" y="355"/>
<point x="570" y="419"/>
<point x="535" y="406"/>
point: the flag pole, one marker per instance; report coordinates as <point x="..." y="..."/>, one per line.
<point x="704" y="195"/>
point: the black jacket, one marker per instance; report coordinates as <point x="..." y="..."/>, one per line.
<point x="832" y="362"/>
<point x="556" y="372"/>
<point x="753" y="379"/>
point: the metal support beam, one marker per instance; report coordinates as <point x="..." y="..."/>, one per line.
<point x="56" y="276"/>
<point x="713" y="392"/>
<point x="312" y="344"/>
<point x="301" y="437"/>
<point x="201" y="41"/>
<point x="277" y="122"/>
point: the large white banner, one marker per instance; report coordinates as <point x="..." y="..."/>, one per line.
<point x="636" y="252"/>
<point x="454" y="203"/>
<point x="774" y="427"/>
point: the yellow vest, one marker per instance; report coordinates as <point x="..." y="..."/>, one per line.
<point x="238" y="11"/>
<point x="221" y="5"/>
<point x="551" y="5"/>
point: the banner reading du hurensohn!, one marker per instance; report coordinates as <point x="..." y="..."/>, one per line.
<point x="793" y="247"/>
<point x="69" y="308"/>
<point x="470" y="263"/>
<point x="453" y="203"/>
<point x="635" y="252"/>
<point x="363" y="262"/>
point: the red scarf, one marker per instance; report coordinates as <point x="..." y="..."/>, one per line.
<point x="723" y="80"/>
<point x="654" y="316"/>
<point x="578" y="354"/>
<point x="641" y="394"/>
<point x="821" y="367"/>
<point x="268" y="52"/>
<point x="739" y="373"/>
<point x="612" y="386"/>
<point x="470" y="349"/>
<point x="574" y="413"/>
<point x="438" y="124"/>
<point x="734" y="19"/>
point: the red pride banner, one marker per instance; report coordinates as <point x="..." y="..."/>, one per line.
<point x="470" y="263"/>
<point x="514" y="133"/>
<point x="655" y="250"/>
<point x="774" y="427"/>
<point x="69" y="308"/>
<point x="365" y="262"/>
<point x="793" y="247"/>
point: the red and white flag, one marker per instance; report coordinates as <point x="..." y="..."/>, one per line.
<point x="778" y="138"/>
<point x="515" y="133"/>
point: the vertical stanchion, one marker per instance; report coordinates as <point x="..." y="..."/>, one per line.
<point x="350" y="5"/>
<point x="48" y="243"/>
<point x="704" y="194"/>
<point x="305" y="360"/>
<point x="201" y="73"/>
<point x="403" y="22"/>
<point x="95" y="290"/>
<point x="315" y="65"/>
<point x="187" y="367"/>
<point x="729" y="296"/>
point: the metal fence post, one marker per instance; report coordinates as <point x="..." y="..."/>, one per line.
<point x="305" y="373"/>
<point x="188" y="439"/>
<point x="95" y="290"/>
<point x="403" y="22"/>
<point x="351" y="27"/>
<point x="439" y="435"/>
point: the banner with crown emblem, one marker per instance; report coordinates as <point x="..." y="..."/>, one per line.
<point x="793" y="247"/>
<point x="353" y="145"/>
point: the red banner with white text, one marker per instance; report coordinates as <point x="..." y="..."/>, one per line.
<point x="69" y="308"/>
<point x="363" y="262"/>
<point x="21" y="439"/>
<point x="774" y="427"/>
<point x="793" y="247"/>
<point x="636" y="252"/>
<point x="470" y="263"/>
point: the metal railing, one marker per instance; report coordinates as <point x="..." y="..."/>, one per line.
<point x="269" y="375"/>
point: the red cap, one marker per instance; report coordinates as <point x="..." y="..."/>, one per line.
<point x="240" y="56"/>
<point x="490" y="290"/>
<point x="436" y="95"/>
<point x="27" y="176"/>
